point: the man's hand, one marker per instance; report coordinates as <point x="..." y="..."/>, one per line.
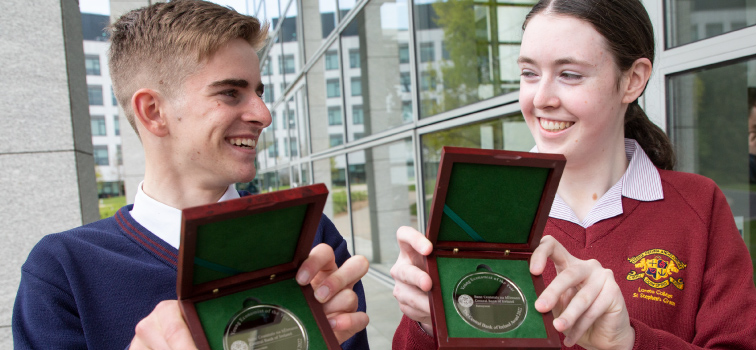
<point x="163" y="329"/>
<point x="333" y="288"/>
<point x="412" y="282"/>
<point x="586" y="301"/>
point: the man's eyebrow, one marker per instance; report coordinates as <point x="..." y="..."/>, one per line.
<point x="232" y="82"/>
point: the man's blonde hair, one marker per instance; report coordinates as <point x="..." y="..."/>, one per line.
<point x="162" y="44"/>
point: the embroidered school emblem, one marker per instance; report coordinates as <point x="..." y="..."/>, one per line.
<point x="657" y="267"/>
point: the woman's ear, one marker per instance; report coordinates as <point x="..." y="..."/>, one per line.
<point x="146" y="105"/>
<point x="635" y="79"/>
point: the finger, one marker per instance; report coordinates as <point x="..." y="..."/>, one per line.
<point x="344" y="278"/>
<point x="345" y="301"/>
<point x="583" y="300"/>
<point x="549" y="248"/>
<point x="411" y="275"/>
<point x="413" y="302"/>
<point x="572" y="277"/>
<point x="412" y="242"/>
<point x="172" y="325"/>
<point x="348" y="324"/>
<point x="321" y="258"/>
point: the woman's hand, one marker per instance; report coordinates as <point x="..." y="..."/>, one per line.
<point x="586" y="301"/>
<point x="412" y="282"/>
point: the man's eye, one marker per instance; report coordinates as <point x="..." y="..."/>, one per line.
<point x="230" y="93"/>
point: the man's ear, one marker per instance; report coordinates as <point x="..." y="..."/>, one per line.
<point x="635" y="79"/>
<point x="146" y="104"/>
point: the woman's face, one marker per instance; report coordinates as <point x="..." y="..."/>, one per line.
<point x="568" y="88"/>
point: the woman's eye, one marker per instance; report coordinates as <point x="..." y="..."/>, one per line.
<point x="571" y="76"/>
<point x="527" y="74"/>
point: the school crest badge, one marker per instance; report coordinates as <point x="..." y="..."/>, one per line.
<point x="658" y="268"/>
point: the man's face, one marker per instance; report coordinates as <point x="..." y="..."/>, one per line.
<point x="216" y="119"/>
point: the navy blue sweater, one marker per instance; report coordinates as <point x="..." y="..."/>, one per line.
<point x="88" y="287"/>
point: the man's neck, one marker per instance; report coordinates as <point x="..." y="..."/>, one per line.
<point x="181" y="195"/>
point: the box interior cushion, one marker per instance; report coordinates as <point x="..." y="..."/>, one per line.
<point x="491" y="203"/>
<point x="248" y="243"/>
<point x="214" y="314"/>
<point x="451" y="270"/>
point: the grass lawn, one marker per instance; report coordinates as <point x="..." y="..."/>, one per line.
<point x="109" y="206"/>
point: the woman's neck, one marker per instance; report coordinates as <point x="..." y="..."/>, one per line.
<point x="586" y="179"/>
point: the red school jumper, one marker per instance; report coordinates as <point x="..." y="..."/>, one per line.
<point x="684" y="271"/>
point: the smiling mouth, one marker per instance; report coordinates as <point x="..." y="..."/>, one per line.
<point x="243" y="143"/>
<point x="554" y="125"/>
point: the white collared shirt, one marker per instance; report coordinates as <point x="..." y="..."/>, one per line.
<point x="641" y="182"/>
<point x="162" y="220"/>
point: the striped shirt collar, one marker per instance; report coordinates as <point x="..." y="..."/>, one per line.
<point x="163" y="220"/>
<point x="641" y="182"/>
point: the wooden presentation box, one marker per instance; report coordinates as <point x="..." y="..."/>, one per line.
<point x="245" y="248"/>
<point x="489" y="209"/>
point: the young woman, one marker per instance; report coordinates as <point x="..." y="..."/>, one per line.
<point x="620" y="212"/>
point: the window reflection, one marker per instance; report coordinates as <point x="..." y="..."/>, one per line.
<point x="688" y="21"/>
<point x="382" y="193"/>
<point x="467" y="51"/>
<point x="332" y="172"/>
<point x="713" y="117"/>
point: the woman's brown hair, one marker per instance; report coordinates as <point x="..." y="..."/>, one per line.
<point x="629" y="34"/>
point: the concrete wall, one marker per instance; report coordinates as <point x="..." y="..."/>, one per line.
<point x="47" y="179"/>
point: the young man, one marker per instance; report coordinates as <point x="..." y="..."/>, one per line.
<point x="187" y="75"/>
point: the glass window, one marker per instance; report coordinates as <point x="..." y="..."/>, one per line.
<point x="266" y="68"/>
<point x="101" y="155"/>
<point x="119" y="155"/>
<point x="333" y="89"/>
<point x="331" y="60"/>
<point x="332" y="172"/>
<point x="382" y="194"/>
<point x="356" y="85"/>
<point x="405" y="81"/>
<point x="323" y="92"/>
<point x="95" y="95"/>
<point x="713" y="127"/>
<point x="688" y="21"/>
<point x="404" y="53"/>
<point x="357" y="115"/>
<point x="334" y="115"/>
<point x="287" y="65"/>
<point x="427" y="53"/>
<point x="427" y="81"/>
<point x="273" y="121"/>
<point x="510" y="133"/>
<point x="269" y="96"/>
<point x="479" y="42"/>
<point x="294" y="146"/>
<point x="114" y="102"/>
<point x="407" y="111"/>
<point x="116" y="125"/>
<point x="92" y="63"/>
<point x="354" y="58"/>
<point x="336" y="139"/>
<point x="98" y="126"/>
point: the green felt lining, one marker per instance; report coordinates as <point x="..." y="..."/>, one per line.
<point x="451" y="270"/>
<point x="214" y="314"/>
<point x="498" y="202"/>
<point x="247" y="243"/>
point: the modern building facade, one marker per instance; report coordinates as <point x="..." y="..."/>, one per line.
<point x="364" y="94"/>
<point x="103" y="107"/>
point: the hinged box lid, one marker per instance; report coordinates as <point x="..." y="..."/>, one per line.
<point x="492" y="200"/>
<point x="247" y="239"/>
